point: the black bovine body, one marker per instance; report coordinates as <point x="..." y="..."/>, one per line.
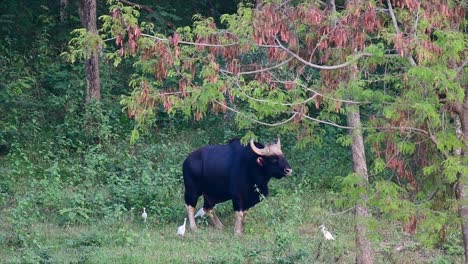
<point x="229" y="172"/>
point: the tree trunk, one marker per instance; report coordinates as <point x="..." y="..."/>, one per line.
<point x="87" y="11"/>
<point x="63" y="11"/>
<point x="462" y="114"/>
<point x="365" y="255"/>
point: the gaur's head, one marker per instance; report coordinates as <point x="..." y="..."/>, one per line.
<point x="272" y="159"/>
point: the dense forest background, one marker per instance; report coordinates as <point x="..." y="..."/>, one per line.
<point x="76" y="169"/>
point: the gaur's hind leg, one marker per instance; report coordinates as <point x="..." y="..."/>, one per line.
<point x="190" y="211"/>
<point x="214" y="218"/>
<point x="191" y="198"/>
<point x="208" y="207"/>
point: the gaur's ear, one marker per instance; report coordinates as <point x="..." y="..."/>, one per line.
<point x="260" y="161"/>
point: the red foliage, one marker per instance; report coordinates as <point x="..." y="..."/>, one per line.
<point x="410" y="227"/>
<point x="289" y="85"/>
<point x="396" y="162"/>
<point x="318" y="101"/>
<point x="165" y="60"/>
<point x="182" y="86"/>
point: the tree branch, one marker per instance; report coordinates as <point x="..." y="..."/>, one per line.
<point x="258" y="121"/>
<point x="191" y="43"/>
<point x="325" y="122"/>
<point x="397" y="29"/>
<point x="322" y="95"/>
<point x="460" y="69"/>
<point x="323" y="67"/>
<point x="143" y="7"/>
<point x="260" y="70"/>
<point x="274" y="102"/>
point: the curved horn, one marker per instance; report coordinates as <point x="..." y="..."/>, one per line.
<point x="261" y="152"/>
<point x="278" y="142"/>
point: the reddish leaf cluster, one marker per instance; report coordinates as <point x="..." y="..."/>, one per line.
<point x="340" y="36"/>
<point x="301" y="110"/>
<point x="174" y="41"/>
<point x="311" y="15"/>
<point x="233" y="66"/>
<point x="402" y="44"/>
<point x="361" y="20"/>
<point x="164" y="59"/>
<point x="168" y="101"/>
<point x="397" y="163"/>
<point x="133" y="33"/>
<point x="183" y="83"/>
<point x="347" y="33"/>
<point x="428" y="52"/>
<point x="232" y="51"/>
<point x="144" y="101"/>
<point x="439" y="13"/>
<point x="318" y="101"/>
<point x="410" y="226"/>
<point x="331" y="79"/>
<point x="198" y="115"/>
<point x="219" y="43"/>
<point x="289" y="85"/>
<point x="188" y="64"/>
<point x="410" y="4"/>
<point x="217" y="108"/>
<point x="269" y="23"/>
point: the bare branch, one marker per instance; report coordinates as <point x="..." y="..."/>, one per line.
<point x="322" y="95"/>
<point x="325" y="122"/>
<point x="397" y="29"/>
<point x="190" y="43"/>
<point x="260" y="70"/>
<point x="460" y="69"/>
<point x="421" y="131"/>
<point x="274" y="102"/>
<point x="392" y="15"/>
<point x="434" y="140"/>
<point x="416" y="22"/>
<point x="258" y="121"/>
<point x="323" y="67"/>
<point x="344" y="211"/>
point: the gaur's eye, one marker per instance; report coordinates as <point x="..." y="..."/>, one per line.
<point x="274" y="160"/>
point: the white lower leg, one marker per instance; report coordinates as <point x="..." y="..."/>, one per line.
<point x="190" y="213"/>
<point x="214" y="218"/>
<point x="239" y="225"/>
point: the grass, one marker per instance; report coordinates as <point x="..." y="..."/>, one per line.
<point x="282" y="229"/>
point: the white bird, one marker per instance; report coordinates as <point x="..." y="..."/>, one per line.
<point x="181" y="229"/>
<point x="326" y="234"/>
<point x="144" y="214"/>
<point x="200" y="213"/>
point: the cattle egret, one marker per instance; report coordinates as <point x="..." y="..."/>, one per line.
<point x="181" y="229"/>
<point x="326" y="234"/>
<point x="200" y="213"/>
<point x="144" y="214"/>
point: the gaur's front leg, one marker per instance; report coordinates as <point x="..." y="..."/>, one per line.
<point x="239" y="216"/>
<point x="239" y="224"/>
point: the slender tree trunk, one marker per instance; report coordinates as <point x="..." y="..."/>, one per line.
<point x="365" y="255"/>
<point x="63" y="11"/>
<point x="462" y="112"/>
<point x="87" y="11"/>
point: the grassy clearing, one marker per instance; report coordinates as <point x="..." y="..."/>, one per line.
<point x="275" y="232"/>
